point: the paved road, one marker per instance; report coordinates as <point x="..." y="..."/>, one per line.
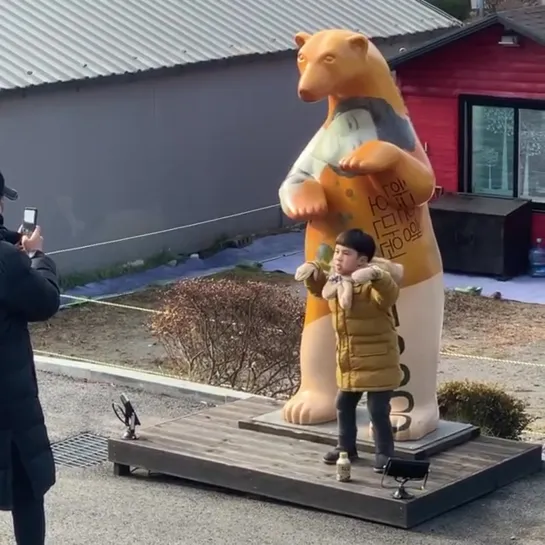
<point x="91" y="507"/>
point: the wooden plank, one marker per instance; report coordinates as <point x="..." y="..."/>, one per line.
<point x="288" y="452"/>
<point x="284" y="451"/>
<point x="499" y="444"/>
<point x="456" y="465"/>
<point x="301" y="456"/>
<point x="254" y="406"/>
<point x="209" y="447"/>
<point x="445" y="469"/>
<point x="462" y="491"/>
<point x="242" y="408"/>
<point x="440" y="500"/>
<point x="334" y="497"/>
<point x="307" y="452"/>
<point x="310" y="469"/>
<point x="269" y="443"/>
<point x="472" y="452"/>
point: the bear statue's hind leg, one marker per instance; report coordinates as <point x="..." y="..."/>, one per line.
<point x="423" y="421"/>
<point x="415" y="412"/>
<point x="314" y="403"/>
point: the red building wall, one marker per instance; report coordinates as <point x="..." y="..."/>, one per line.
<point x="476" y="65"/>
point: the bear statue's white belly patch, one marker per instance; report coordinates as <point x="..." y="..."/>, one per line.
<point x="355" y="122"/>
<point x="346" y="133"/>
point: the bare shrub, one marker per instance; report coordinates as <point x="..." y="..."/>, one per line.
<point x="487" y="406"/>
<point x="240" y="334"/>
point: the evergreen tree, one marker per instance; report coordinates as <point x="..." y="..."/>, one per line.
<point x="461" y="9"/>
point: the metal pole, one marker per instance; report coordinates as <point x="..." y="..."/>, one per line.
<point x="480" y="5"/>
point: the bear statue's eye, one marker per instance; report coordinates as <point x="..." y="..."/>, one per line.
<point x="329" y="58"/>
<point x="301" y="57"/>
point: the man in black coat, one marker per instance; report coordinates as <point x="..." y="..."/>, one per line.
<point x="29" y="292"/>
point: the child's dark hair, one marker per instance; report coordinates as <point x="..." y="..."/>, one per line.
<point x="360" y="242"/>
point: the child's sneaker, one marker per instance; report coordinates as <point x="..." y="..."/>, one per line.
<point x="332" y="456"/>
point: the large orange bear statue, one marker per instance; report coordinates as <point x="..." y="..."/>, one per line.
<point x="365" y="168"/>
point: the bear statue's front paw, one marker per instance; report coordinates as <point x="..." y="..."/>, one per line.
<point x="305" y="201"/>
<point x="371" y="158"/>
<point x="308" y="407"/>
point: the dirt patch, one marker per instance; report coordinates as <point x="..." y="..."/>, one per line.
<point x="482" y="326"/>
<point x="104" y="333"/>
<point x="473" y="326"/>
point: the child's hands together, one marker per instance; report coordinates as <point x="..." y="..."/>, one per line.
<point x="306" y="270"/>
<point x="366" y="274"/>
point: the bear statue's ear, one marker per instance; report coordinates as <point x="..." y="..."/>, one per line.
<point x="301" y="38"/>
<point x="359" y="43"/>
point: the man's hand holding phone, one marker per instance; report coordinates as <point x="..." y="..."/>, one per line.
<point x="33" y="242"/>
<point x="31" y="236"/>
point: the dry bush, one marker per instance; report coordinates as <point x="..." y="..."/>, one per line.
<point x="487" y="406"/>
<point x="240" y="334"/>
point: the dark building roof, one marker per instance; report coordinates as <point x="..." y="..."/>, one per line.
<point x="528" y="22"/>
<point x="392" y="46"/>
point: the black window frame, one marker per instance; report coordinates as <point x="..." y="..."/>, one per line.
<point x="465" y="105"/>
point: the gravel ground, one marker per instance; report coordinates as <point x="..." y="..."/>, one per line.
<point x="90" y="507"/>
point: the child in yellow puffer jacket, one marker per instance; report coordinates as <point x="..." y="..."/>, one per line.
<point x="361" y="290"/>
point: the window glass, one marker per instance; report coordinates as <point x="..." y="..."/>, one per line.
<point x="492" y="150"/>
<point x="531" y="174"/>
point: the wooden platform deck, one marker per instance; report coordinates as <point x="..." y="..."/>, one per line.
<point x="209" y="447"/>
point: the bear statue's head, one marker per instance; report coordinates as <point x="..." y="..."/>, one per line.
<point x="338" y="63"/>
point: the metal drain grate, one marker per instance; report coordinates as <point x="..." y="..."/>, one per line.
<point x="83" y="450"/>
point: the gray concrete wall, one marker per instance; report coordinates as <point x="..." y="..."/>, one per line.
<point x="123" y="159"/>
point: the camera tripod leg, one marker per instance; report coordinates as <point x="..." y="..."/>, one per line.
<point x="121" y="470"/>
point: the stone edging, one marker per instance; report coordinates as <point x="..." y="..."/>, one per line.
<point x="131" y="378"/>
